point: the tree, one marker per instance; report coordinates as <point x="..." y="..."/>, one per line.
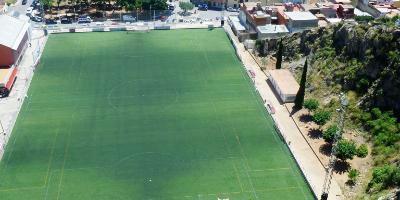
<point x="321" y="117"/>
<point x="311" y="104"/>
<point x="155" y="5"/>
<point x="47" y="3"/>
<point x="298" y="102"/>
<point x="345" y="149"/>
<point x="279" y="55"/>
<point x="353" y="175"/>
<point x="362" y="151"/>
<point x="330" y="133"/>
<point x="185" y="6"/>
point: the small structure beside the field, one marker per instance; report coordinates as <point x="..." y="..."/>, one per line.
<point x="284" y="84"/>
<point x="14" y="40"/>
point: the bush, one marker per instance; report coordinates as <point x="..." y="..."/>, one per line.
<point x="353" y="175"/>
<point x="384" y="177"/>
<point x="321" y="117"/>
<point x="330" y="133"/>
<point x="311" y="104"/>
<point x="362" y="151"/>
<point x="345" y="149"/>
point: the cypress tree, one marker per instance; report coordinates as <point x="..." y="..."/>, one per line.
<point x="298" y="102"/>
<point x="279" y="55"/>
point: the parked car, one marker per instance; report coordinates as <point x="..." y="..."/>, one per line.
<point x="84" y="20"/>
<point x="36" y="19"/>
<point x="128" y="18"/>
<point x="66" y="20"/>
<point x="203" y="7"/>
<point x="171" y="7"/>
<point x="24" y="2"/>
<point x="50" y="21"/>
<point x="29" y="11"/>
<point x="230" y="9"/>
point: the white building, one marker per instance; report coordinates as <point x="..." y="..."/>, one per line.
<point x="299" y="21"/>
<point x="271" y="31"/>
<point x="284" y="84"/>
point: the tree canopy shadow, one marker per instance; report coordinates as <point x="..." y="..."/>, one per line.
<point x="315" y="133"/>
<point x="326" y="149"/>
<point x="305" y="118"/>
<point x="341" y="166"/>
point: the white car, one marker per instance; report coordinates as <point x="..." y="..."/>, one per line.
<point x="29" y="11"/>
<point x="230" y="9"/>
<point x="128" y="18"/>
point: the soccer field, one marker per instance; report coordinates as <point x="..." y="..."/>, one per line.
<point x="158" y="115"/>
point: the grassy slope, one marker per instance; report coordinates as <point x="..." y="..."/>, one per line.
<point x="160" y="115"/>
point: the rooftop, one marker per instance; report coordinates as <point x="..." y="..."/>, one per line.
<point x="272" y="28"/>
<point x="284" y="80"/>
<point x="236" y="23"/>
<point x="301" y="16"/>
<point x="12" y="31"/>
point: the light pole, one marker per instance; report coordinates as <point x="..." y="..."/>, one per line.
<point x="338" y="135"/>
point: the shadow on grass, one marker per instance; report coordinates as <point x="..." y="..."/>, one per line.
<point x="305" y="118"/>
<point x="315" y="133"/>
<point x="341" y="167"/>
<point x="326" y="149"/>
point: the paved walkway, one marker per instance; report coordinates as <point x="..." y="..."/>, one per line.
<point x="11" y="105"/>
<point x="311" y="167"/>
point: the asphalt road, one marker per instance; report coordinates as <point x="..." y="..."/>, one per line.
<point x="195" y="15"/>
<point x="18" y="7"/>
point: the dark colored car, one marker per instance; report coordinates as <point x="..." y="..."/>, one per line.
<point x="203" y="7"/>
<point x="84" y="20"/>
<point x="50" y="21"/>
<point x="24" y="2"/>
<point x="36" y="19"/>
<point x="65" y="20"/>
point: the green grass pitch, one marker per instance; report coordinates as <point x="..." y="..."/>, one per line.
<point x="159" y="115"/>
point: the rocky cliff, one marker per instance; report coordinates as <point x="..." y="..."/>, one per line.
<point x="361" y="57"/>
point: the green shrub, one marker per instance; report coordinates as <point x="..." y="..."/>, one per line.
<point x="353" y="175"/>
<point x="329" y="134"/>
<point x="345" y="149"/>
<point x="311" y="104"/>
<point x="362" y="151"/>
<point x="321" y="117"/>
<point x="384" y="177"/>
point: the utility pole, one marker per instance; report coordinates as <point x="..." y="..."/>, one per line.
<point x="332" y="160"/>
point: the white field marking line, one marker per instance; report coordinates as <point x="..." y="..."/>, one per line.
<point x="229" y="150"/>
<point x="276" y="189"/>
<point x="51" y="155"/>
<point x="266" y="115"/>
<point x="268" y="126"/>
<point x="69" y="140"/>
<point x="118" y="86"/>
<point x="219" y="126"/>
<point x="246" y="166"/>
<point x="22" y="188"/>
<point x="237" y="176"/>
<point x="16" y="128"/>
<point x="16" y="118"/>
<point x="226" y="145"/>
<point x="298" y="184"/>
<point x="47" y="188"/>
<point x="272" y="169"/>
<point x="65" y="159"/>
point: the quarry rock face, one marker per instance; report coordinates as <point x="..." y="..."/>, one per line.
<point x="376" y="47"/>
